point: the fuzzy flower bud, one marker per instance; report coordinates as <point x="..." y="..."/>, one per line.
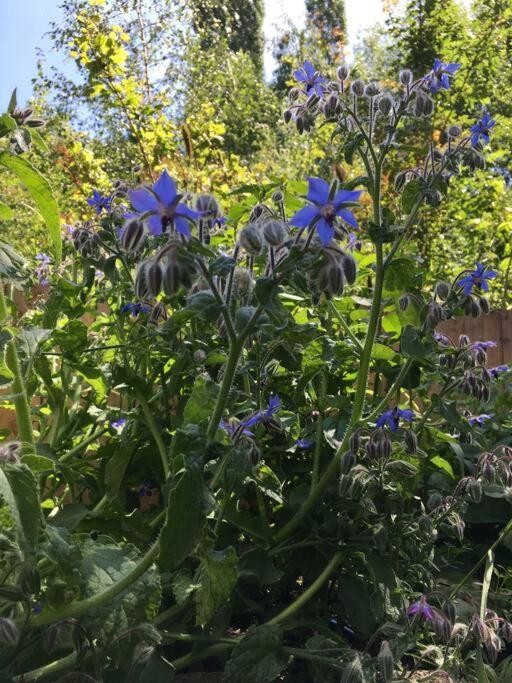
<point x="372" y="89"/>
<point x="207" y="205"/>
<point x="9" y="634"/>
<point x="385" y="104"/>
<point x="343" y="72"/>
<point x="442" y="290"/>
<point x="349" y="267"/>
<point x="171" y="278"/>
<point x="454" y="132"/>
<point x="357" y="87"/>
<point x="274" y="232"/>
<point x="405" y="77"/>
<point x="154" y="278"/>
<point x="242" y="283"/>
<point x="250" y="239"/>
<point x="330" y="106"/>
<point x="133" y="236"/>
<point x="141" y="284"/>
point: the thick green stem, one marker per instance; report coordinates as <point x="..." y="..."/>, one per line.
<point x="49" y="670"/>
<point x="83" y="444"/>
<point x="358" y="407"/>
<point x="319" y="430"/>
<point x="227" y="380"/>
<point x="76" y="609"/>
<point x="153" y="428"/>
<point x="20" y="398"/>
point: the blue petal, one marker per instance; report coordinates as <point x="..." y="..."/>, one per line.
<point x="165" y="188"/>
<point x="155" y="224"/>
<point x="184" y="210"/>
<point x="318" y="191"/>
<point x="309" y="69"/>
<point x="452" y="68"/>
<point x="143" y="200"/>
<point x="346" y="196"/>
<point x="304" y="216"/>
<point x="445" y="81"/>
<point x="382" y="420"/>
<point x="325" y="231"/>
<point x="348" y="217"/>
<point x="182" y="226"/>
<point x="300" y="75"/>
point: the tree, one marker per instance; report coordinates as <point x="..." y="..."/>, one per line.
<point x="239" y="22"/>
<point x="327" y="17"/>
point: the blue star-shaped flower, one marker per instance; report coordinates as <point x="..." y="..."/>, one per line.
<point x="135" y="309"/>
<point x="483" y="345"/>
<point x="392" y="418"/>
<point x="479" y="419"/>
<point x="310" y="78"/>
<point x="481" y="129"/>
<point x="273" y="406"/>
<point x="496" y="372"/>
<point x="161" y="206"/>
<point x="323" y="210"/>
<point x="439" y="77"/>
<point x="477" y="278"/>
<point x="422" y="609"/>
<point x="99" y="202"/>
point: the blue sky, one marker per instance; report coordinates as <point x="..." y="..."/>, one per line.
<point x="23" y="24"/>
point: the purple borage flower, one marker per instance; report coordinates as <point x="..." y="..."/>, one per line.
<point x="304" y="443"/>
<point x="162" y="208"/>
<point x="310" y="79"/>
<point x="99" y="202"/>
<point x="442" y="339"/>
<point x="477" y="278"/>
<point x="43" y="268"/>
<point x="237" y="429"/>
<point x="479" y="419"/>
<point x="439" y="77"/>
<point x="118" y="424"/>
<point x="481" y="129"/>
<point x="421" y="609"/>
<point x="392" y="418"/>
<point x="322" y="211"/>
<point x="483" y="345"/>
<point x="496" y="372"/>
<point x="135" y="309"/>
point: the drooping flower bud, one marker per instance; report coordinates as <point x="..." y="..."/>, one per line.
<point x="250" y="239"/>
<point x="154" y="278"/>
<point x="141" y="284"/>
<point x="385" y="662"/>
<point x="402" y="468"/>
<point x="382" y="443"/>
<point x="207" y="205"/>
<point x="442" y="290"/>
<point x="404" y="302"/>
<point x="278" y="196"/>
<point x="474" y="490"/>
<point x="454" y="132"/>
<point x="330" y="106"/>
<point x="343" y="72"/>
<point x="385" y="104"/>
<point x="274" y="232"/>
<point x="434" y="501"/>
<point x="287" y="115"/>
<point x="372" y="89"/>
<point x="133" y="236"/>
<point x="347" y="462"/>
<point x="405" y="77"/>
<point x="357" y="87"/>
<point x="349" y="267"/>
<point x="355" y="442"/>
<point x="411" y="442"/>
<point x="171" y="277"/>
<point x="242" y="283"/>
<point x="449" y="611"/>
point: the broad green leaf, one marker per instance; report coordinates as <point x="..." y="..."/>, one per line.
<point x="382" y="352"/>
<point x="18" y="487"/>
<point x="104" y="564"/>
<point x="6" y="213"/>
<point x="41" y="192"/>
<point x="72" y="338"/>
<point x="202" y="400"/>
<point x="185" y="519"/>
<point x="38" y="463"/>
<point x="258" y="657"/>
<point x="156" y="670"/>
<point x="443" y="464"/>
<point x="217" y="577"/>
<point x="31" y="338"/>
<point x="13" y="101"/>
<point x="412" y="345"/>
<point x="410" y="195"/>
<point x="183" y="586"/>
<point x="7" y="125"/>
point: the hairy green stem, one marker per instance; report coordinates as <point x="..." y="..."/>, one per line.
<point x="49" y="670"/>
<point x="83" y="444"/>
<point x="153" y="428"/>
<point x="346" y="327"/>
<point x="20" y="398"/>
<point x="319" y="429"/>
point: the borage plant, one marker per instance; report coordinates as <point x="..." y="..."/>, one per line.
<point x="244" y="456"/>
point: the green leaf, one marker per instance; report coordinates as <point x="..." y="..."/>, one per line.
<point x="38" y="463"/>
<point x="30" y="340"/>
<point x="185" y="519"/>
<point x="258" y="657"/>
<point x="13" y="101"/>
<point x="104" y="564"/>
<point x="217" y="577"/>
<point x="7" y="125"/>
<point x="412" y="345"/>
<point x="202" y="400"/>
<point x="6" y="213"/>
<point x="18" y="487"/>
<point x="382" y="352"/>
<point x="411" y="194"/>
<point x="41" y="192"/>
<point x="443" y="464"/>
<point x="72" y="338"/>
